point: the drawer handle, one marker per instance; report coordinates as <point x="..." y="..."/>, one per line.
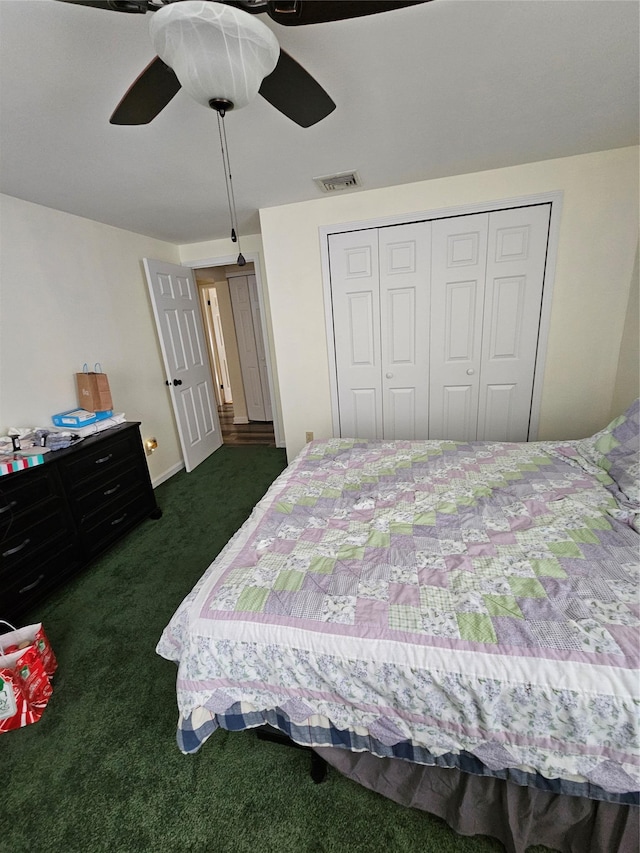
<point x="9" y="506"/>
<point x="104" y="459"/>
<point x="111" y="491"/>
<point x="32" y="585"/>
<point x="119" y="520"/>
<point x="16" y="549"/>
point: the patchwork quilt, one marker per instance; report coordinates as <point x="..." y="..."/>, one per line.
<point x="476" y="598"/>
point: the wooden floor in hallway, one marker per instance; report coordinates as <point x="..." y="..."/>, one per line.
<point x="255" y="432"/>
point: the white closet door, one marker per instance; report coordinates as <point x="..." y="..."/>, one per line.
<point x="458" y="267"/>
<point x="404" y="257"/>
<point x="247" y="349"/>
<point x="355" y="292"/>
<point x="515" y="274"/>
<point x="436" y="325"/>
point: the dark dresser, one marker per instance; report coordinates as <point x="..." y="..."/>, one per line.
<point x="57" y="517"/>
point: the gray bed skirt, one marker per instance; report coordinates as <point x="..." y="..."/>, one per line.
<point x="516" y="815"/>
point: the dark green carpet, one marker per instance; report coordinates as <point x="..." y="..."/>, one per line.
<point x="101" y="770"/>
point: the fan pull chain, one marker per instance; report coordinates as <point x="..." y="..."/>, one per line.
<point x="228" y="179"/>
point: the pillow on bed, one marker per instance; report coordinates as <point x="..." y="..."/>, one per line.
<point x="616" y="449"/>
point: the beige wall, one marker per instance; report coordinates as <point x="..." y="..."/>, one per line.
<point x="597" y="244"/>
<point x="627" y="386"/>
<point x="73" y="291"/>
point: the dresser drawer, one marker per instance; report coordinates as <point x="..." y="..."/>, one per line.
<point x="110" y="522"/>
<point x="14" y="526"/>
<point x="23" y="542"/>
<point x="101" y="491"/>
<point x="100" y="461"/>
<point x="24" y="492"/>
<point x="39" y="576"/>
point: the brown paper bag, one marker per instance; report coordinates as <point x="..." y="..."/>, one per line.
<point x="94" y="393"/>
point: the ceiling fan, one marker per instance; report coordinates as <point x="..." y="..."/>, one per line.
<point x="200" y="42"/>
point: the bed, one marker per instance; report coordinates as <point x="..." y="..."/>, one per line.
<point x="454" y="625"/>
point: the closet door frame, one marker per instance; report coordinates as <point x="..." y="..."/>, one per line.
<point x="553" y="198"/>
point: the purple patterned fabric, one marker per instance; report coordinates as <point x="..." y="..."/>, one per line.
<point x="457" y="596"/>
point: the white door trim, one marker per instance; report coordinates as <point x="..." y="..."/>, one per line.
<point x="554" y="197"/>
<point x="252" y="257"/>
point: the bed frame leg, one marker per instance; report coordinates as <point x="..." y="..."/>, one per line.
<point x="319" y="766"/>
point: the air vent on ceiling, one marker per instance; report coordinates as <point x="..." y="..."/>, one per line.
<point x="341" y="181"/>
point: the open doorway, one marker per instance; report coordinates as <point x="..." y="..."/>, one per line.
<point x="234" y="331"/>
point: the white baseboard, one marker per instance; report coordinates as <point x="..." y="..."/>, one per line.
<point x="241" y="420"/>
<point x="167" y="474"/>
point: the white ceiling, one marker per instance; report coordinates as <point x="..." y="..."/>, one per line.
<point x="444" y="88"/>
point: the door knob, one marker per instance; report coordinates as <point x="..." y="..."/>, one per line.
<point x="470" y="372"/>
<point x="389" y="375"/>
<point x="177" y="381"/>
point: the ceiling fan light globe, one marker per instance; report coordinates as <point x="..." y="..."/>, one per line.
<point x="216" y="51"/>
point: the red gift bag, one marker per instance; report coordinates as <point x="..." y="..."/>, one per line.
<point x="25" y="688"/>
<point x="20" y="638"/>
<point x="15" y="710"/>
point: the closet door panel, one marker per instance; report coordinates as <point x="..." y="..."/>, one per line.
<point x="400" y="417"/>
<point x="459" y="334"/>
<point x="457" y="416"/>
<point x="355" y="293"/>
<point x="404" y="263"/>
<point x="458" y="268"/>
<point x="500" y="406"/>
<point x="363" y="410"/>
<point x="517" y="243"/>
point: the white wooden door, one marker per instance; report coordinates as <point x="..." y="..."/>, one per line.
<point x="404" y="264"/>
<point x="174" y="297"/>
<point x="207" y="319"/>
<point x="487" y="278"/>
<point x="247" y="347"/>
<point x="219" y="341"/>
<point x="355" y="291"/>
<point x="517" y="248"/>
<point x="380" y="292"/>
<point x="260" y="348"/>
<point x="459" y="256"/>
